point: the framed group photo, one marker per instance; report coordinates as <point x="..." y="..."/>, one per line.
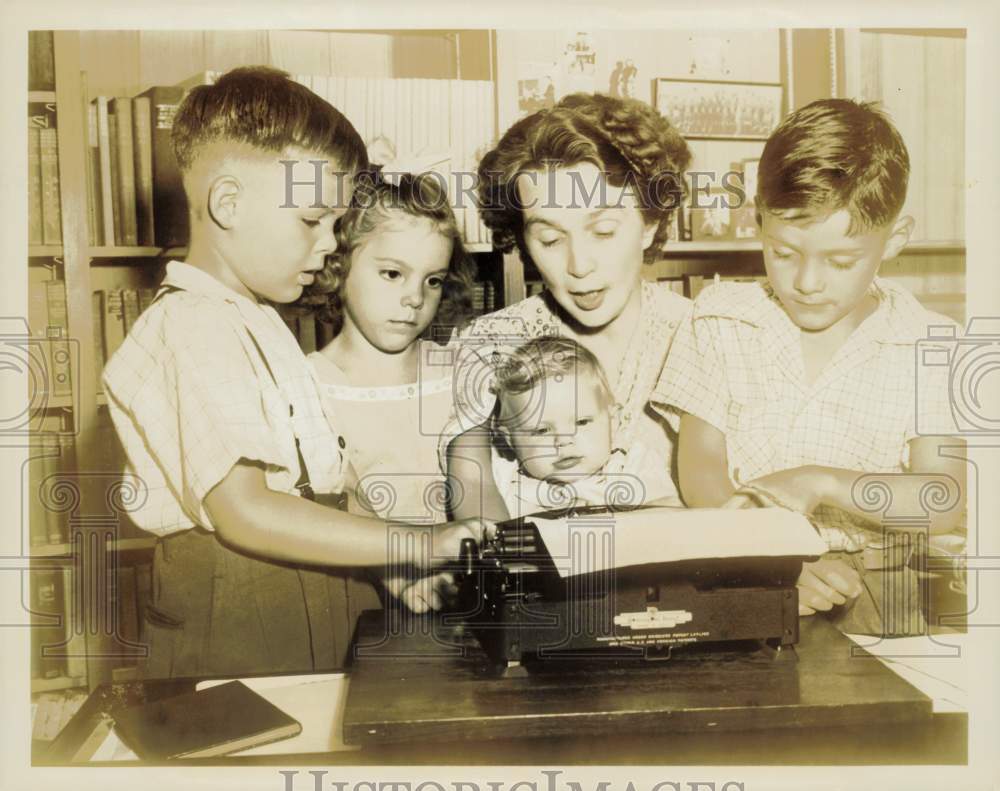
<point x="720" y="110"/>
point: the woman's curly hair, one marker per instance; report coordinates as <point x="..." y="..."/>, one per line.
<point x="626" y="139"/>
<point x="374" y="204"/>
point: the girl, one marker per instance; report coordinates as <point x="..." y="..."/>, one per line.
<point x="400" y="274"/>
<point x="585" y="192"/>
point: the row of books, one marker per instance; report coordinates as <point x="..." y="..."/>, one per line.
<point x="49" y="454"/>
<point x="114" y="312"/>
<point x="44" y="209"/>
<point x="484" y="298"/>
<point x="443" y="126"/>
<point x="48" y="320"/>
<point x="313" y="334"/>
<point x="58" y="645"/>
<point x="120" y="171"/>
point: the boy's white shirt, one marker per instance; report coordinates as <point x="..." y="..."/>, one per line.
<point x="190" y="395"/>
<point x="737" y="365"/>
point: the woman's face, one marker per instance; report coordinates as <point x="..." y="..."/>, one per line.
<point x="586" y="237"/>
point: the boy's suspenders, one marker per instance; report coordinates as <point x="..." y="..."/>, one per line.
<point x="303" y="484"/>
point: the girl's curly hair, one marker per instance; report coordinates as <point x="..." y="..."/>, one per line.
<point x="626" y="139"/>
<point x="376" y="203"/>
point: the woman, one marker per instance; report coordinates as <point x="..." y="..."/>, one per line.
<point x="585" y="191"/>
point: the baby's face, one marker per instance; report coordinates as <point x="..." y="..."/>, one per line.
<point x="561" y="429"/>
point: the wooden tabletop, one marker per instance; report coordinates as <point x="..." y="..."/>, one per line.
<point x="428" y="698"/>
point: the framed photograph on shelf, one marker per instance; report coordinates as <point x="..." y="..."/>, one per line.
<point x="720" y="110"/>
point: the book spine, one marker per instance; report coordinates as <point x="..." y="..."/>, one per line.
<point x="35" y="235"/>
<point x="97" y="312"/>
<point x="42" y="455"/>
<point x="58" y="334"/>
<point x="51" y="210"/>
<point x="307" y="333"/>
<point x="76" y="642"/>
<point x="127" y="608"/>
<point x="146" y="297"/>
<point x="46" y="600"/>
<point x="41" y="61"/>
<point x="114" y="324"/>
<point x="470" y="219"/>
<point x="122" y="108"/>
<point x="143" y="151"/>
<point x="94" y="219"/>
<point x="105" y="180"/>
<point x="324" y="333"/>
<point x="57" y="522"/>
<point x="370" y="103"/>
<point x="170" y="214"/>
<point x="404" y="118"/>
<point x="116" y="193"/>
<point x="143" y="596"/>
<point x="388" y="94"/>
<point x="693" y="285"/>
<point x="130" y="308"/>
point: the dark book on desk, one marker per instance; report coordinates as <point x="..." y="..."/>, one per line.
<point x="212" y="722"/>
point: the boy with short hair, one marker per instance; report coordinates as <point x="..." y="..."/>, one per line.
<point x="790" y="391"/>
<point x="216" y="407"/>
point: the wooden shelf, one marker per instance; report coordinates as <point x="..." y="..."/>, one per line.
<point x="124" y="252"/>
<point x="67" y="402"/>
<point x="931" y="247"/>
<point x="102" y="252"/>
<point x="54" y="684"/>
<point x="45" y="251"/>
<point x="747" y="246"/>
<point x="42" y="97"/>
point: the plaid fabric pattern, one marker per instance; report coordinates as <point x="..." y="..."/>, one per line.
<point x="738" y="366"/>
<point x="190" y="395"/>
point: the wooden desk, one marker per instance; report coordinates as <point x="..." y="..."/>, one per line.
<point x="428" y="709"/>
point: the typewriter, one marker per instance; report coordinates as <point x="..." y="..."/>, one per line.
<point x="523" y="603"/>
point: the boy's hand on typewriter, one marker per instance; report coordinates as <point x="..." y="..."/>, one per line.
<point x="448" y="538"/>
<point x="826" y="583"/>
<point x="424" y="594"/>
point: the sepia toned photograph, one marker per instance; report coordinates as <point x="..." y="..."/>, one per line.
<point x="507" y="396"/>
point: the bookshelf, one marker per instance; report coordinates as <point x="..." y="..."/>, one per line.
<point x="81" y="561"/>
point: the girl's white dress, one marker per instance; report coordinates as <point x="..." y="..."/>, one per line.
<point x="390" y="436"/>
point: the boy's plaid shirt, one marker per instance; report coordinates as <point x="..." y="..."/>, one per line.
<point x="190" y="396"/>
<point x="738" y="366"/>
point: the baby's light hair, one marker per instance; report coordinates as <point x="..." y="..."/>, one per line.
<point x="546" y="357"/>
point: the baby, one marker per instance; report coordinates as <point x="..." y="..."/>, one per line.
<point x="556" y="415"/>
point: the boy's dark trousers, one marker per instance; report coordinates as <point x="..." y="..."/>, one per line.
<point x="218" y="612"/>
